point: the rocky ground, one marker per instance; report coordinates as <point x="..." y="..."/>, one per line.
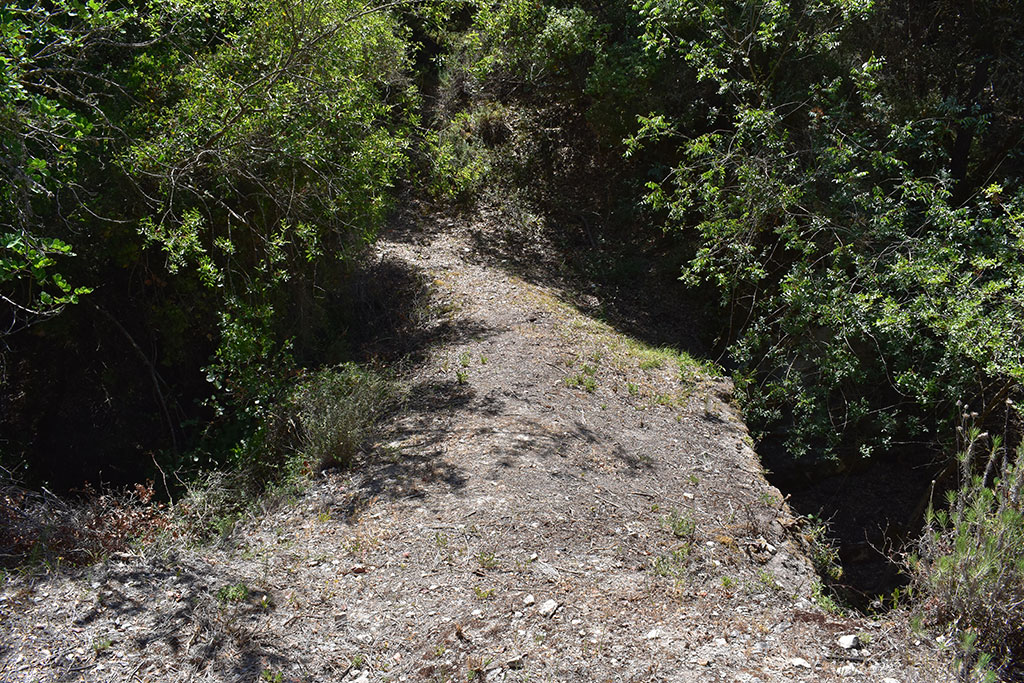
<point x="555" y="502"/>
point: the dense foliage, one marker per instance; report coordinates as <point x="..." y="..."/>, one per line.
<point x="186" y="187"/>
<point x="844" y="173"/>
<point x="861" y="216"/>
<point x="205" y="172"/>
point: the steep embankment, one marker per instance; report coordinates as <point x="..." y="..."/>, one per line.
<point x="555" y="502"/>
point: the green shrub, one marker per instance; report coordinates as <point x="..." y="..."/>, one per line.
<point x="336" y="411"/>
<point x="868" y="279"/>
<point x="971" y="564"/>
<point x="210" y="170"/>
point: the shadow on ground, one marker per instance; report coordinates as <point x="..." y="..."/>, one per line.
<point x="872" y="513"/>
<point x="869" y="512"/>
<point x="413" y="459"/>
<point x="186" y="611"/>
<point x="638" y="293"/>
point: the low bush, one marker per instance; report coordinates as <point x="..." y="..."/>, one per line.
<point x="971" y="557"/>
<point x="320" y="422"/>
<point x="336" y="410"/>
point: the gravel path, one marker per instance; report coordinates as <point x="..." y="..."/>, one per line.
<point x="556" y="502"/>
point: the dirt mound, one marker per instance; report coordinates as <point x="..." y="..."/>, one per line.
<point x="556" y="501"/>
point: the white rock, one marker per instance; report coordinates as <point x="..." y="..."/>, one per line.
<point x="848" y="642"/>
<point x="721" y="642"/>
<point x="847" y="670"/>
<point x="800" y="663"/>
<point x="365" y="678"/>
<point x="549" y="572"/>
<point x="548" y="608"/>
<point x="890" y="680"/>
<point x="652" y="634"/>
<point x="529" y="600"/>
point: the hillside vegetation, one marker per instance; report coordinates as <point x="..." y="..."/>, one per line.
<point x="833" y="188"/>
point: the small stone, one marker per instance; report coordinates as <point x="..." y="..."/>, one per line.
<point x="799" y="663"/>
<point x="848" y="642"/>
<point x="364" y="678"/>
<point x="548" y="608"/>
<point x="549" y="572"/>
<point x="721" y="642"/>
<point x="890" y="680"/>
<point x="651" y="635"/>
<point x="359" y="569"/>
<point x="529" y="600"/>
<point x="847" y="670"/>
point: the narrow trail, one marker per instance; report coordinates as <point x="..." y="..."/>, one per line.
<point x="555" y="502"/>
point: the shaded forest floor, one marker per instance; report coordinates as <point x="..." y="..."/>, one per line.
<point x="555" y="501"/>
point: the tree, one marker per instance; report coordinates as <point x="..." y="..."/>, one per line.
<point x="214" y="166"/>
<point x="870" y="263"/>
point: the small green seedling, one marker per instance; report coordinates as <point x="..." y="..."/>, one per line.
<point x="239" y="592"/>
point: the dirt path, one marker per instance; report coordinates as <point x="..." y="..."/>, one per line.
<point x="556" y="503"/>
